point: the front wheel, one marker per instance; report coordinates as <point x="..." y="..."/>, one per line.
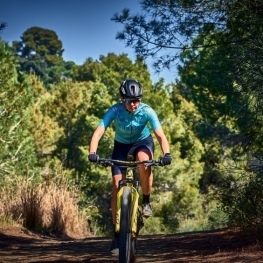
<point x="126" y="251"/>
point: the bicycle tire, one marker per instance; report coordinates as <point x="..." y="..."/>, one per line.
<point x="126" y="249"/>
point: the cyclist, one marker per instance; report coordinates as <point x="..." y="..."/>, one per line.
<point x="132" y="136"/>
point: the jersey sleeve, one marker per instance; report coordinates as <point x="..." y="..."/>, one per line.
<point x="153" y="119"/>
<point x="108" y="117"/>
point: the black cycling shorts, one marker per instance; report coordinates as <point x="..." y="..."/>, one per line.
<point x="122" y="150"/>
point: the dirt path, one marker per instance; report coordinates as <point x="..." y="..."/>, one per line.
<point x="18" y="245"/>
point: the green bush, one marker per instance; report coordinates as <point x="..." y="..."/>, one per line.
<point x="243" y="201"/>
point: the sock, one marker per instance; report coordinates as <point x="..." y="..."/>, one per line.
<point x="146" y="199"/>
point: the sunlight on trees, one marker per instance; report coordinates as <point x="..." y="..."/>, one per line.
<point x="212" y="114"/>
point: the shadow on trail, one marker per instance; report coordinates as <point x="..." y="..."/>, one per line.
<point x="217" y="246"/>
<point x="21" y="249"/>
<point x="206" y="246"/>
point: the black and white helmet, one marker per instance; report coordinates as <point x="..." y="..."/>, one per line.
<point x="131" y="88"/>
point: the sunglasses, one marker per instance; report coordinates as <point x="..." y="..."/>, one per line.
<point x="130" y="101"/>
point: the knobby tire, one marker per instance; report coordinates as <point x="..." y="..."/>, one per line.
<point x="126" y="248"/>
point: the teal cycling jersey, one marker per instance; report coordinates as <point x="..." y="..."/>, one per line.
<point x="131" y="127"/>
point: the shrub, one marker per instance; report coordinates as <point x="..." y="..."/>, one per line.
<point x="48" y="206"/>
<point x="243" y="201"/>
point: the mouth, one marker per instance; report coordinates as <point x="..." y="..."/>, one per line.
<point x="132" y="108"/>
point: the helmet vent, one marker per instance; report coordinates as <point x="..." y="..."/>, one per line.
<point x="123" y="90"/>
<point x="133" y="89"/>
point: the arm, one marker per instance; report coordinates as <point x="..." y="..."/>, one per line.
<point x="158" y="131"/>
<point x="167" y="158"/>
<point x="161" y="138"/>
<point x="96" y="138"/>
<point x="103" y="124"/>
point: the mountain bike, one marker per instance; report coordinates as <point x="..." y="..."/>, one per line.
<point x="129" y="218"/>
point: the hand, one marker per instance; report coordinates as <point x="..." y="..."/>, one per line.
<point x="93" y="157"/>
<point x="166" y="159"/>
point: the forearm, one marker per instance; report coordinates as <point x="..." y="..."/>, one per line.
<point x="93" y="145"/>
<point x="94" y="142"/>
<point x="164" y="145"/>
<point x="163" y="142"/>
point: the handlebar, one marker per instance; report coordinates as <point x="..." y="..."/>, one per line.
<point x="111" y="162"/>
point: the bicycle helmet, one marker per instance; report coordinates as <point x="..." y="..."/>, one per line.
<point x="131" y="88"/>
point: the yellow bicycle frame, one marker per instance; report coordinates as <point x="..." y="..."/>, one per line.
<point x="134" y="208"/>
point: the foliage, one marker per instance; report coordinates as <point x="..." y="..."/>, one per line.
<point x="240" y="114"/>
<point x="242" y="201"/>
<point x="111" y="70"/>
<point x="63" y="118"/>
<point x="17" y="154"/>
<point x="43" y="42"/>
<point x="40" y="52"/>
<point x="231" y="29"/>
<point x="212" y="115"/>
<point x="219" y="43"/>
<point x="165" y="28"/>
<point x="2" y="26"/>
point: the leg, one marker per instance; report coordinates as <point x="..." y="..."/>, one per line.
<point x="146" y="179"/>
<point x="120" y="152"/>
<point x="146" y="176"/>
<point x="115" y="183"/>
<point x="115" y="242"/>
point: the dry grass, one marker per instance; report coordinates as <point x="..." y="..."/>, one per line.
<point x="48" y="206"/>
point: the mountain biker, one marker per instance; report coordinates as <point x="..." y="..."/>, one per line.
<point x="132" y="136"/>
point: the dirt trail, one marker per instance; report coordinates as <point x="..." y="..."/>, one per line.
<point x="19" y="245"/>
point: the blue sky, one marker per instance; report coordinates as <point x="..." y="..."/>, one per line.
<point x="83" y="26"/>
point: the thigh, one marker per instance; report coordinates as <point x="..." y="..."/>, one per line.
<point x="144" y="154"/>
<point x="143" y="150"/>
<point x="120" y="152"/>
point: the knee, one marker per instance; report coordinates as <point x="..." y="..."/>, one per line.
<point x="144" y="155"/>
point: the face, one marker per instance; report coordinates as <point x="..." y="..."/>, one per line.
<point x="131" y="105"/>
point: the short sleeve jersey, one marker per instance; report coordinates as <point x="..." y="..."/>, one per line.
<point x="131" y="127"/>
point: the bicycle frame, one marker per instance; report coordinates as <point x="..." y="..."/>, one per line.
<point x="129" y="219"/>
<point x="129" y="181"/>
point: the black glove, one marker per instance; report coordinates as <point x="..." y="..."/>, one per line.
<point x="166" y="159"/>
<point x="93" y="157"/>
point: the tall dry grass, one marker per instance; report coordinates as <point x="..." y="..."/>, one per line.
<point x="50" y="206"/>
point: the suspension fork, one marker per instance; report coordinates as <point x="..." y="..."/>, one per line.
<point x="134" y="205"/>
